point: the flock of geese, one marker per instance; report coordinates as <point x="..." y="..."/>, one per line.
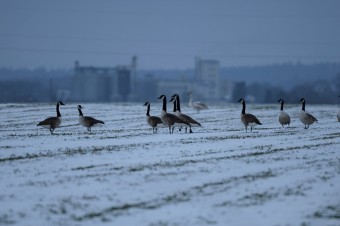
<point x="180" y="120"/>
<point x="52" y="123"/>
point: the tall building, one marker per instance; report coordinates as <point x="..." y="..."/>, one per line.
<point x="103" y="84"/>
<point x="207" y="78"/>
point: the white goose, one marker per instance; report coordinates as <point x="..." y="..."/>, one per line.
<point x="196" y="105"/>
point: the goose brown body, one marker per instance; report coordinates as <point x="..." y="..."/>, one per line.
<point x="186" y="118"/>
<point x="306" y="118"/>
<point x="284" y="118"/>
<point x="153" y="121"/>
<point x="168" y="119"/>
<point x="87" y="121"/>
<point x="248" y="119"/>
<point x="52" y="123"/>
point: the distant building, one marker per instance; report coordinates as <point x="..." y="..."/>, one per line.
<point x="207" y="79"/>
<point x="103" y="84"/>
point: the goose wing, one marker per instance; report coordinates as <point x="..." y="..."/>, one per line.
<point x="153" y="121"/>
<point x="311" y="117"/>
<point x="249" y="118"/>
<point x="92" y="121"/>
<point x="188" y="119"/>
<point x="48" y="121"/>
<point x="200" y="105"/>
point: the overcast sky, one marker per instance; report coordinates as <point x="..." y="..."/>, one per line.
<point x="167" y="34"/>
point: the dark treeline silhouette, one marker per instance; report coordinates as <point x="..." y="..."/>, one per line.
<point x="320" y="83"/>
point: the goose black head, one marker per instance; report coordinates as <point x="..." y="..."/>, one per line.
<point x="241" y="100"/>
<point x="172" y="99"/>
<point x="161" y="97"/>
<point x="302" y="100"/>
<point x="60" y="103"/>
<point x="281" y="100"/>
<point x="146" y="104"/>
<point x="175" y="95"/>
<point x="80" y="107"/>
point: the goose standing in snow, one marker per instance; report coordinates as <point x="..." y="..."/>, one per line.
<point x="87" y="121"/>
<point x="306" y="118"/>
<point x="52" y="122"/>
<point x="184" y="117"/>
<point x="154" y="121"/>
<point x="248" y="119"/>
<point x="196" y="105"/>
<point x="284" y="118"/>
<point x="168" y="119"/>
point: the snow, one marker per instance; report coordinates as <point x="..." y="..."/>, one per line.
<point x="123" y="174"/>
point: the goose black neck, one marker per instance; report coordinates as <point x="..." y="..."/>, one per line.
<point x="281" y="105"/>
<point x="303" y="106"/>
<point x="164" y="104"/>
<point x="58" y="112"/>
<point x="80" y="112"/>
<point x="148" y="110"/>
<point x="178" y="103"/>
<point x="243" y="107"/>
<point x="174" y="102"/>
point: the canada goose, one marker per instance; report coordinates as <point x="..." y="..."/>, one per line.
<point x="196" y="105"/>
<point x="184" y="117"/>
<point x="284" y="118"/>
<point x="338" y="115"/>
<point x="168" y="119"/>
<point x="87" y="121"/>
<point x="248" y="119"/>
<point x="306" y="118"/>
<point x="52" y="122"/>
<point x="154" y="121"/>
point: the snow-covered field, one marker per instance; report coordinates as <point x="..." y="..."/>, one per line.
<point x="123" y="174"/>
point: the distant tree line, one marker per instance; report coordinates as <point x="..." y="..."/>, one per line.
<point x="320" y="83"/>
<point x="318" y="91"/>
